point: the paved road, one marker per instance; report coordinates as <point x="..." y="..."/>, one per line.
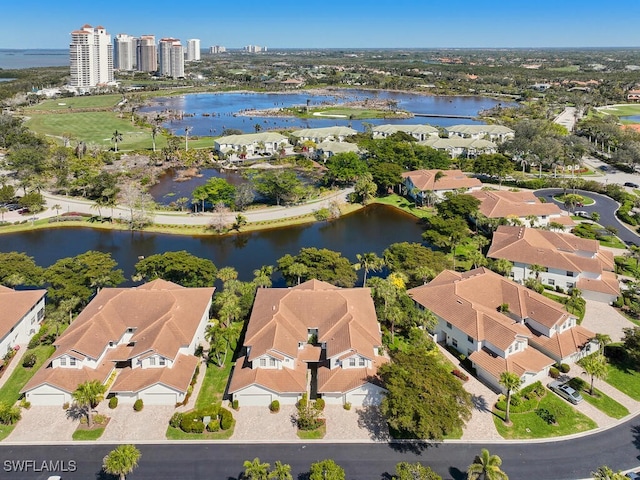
<point x="571" y="459"/>
<point x="604" y="205"/>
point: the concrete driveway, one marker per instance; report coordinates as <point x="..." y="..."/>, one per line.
<point x="38" y="423"/>
<point x="258" y="423"/>
<point x="600" y="317"/>
<point x="128" y="425"/>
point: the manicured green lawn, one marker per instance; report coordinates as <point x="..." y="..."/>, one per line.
<point x="605" y="403"/>
<point x="584" y="200"/>
<point x="10" y="392"/>
<point x="346" y="112"/>
<point x="627" y="266"/>
<point x="623" y="377"/>
<point x="316" y="434"/>
<point x="529" y="425"/>
<point x="405" y="205"/>
<point x="624" y="110"/>
<point x="89" y="101"/>
<point x="92" y="434"/>
<point x="214" y="383"/>
<point x="578" y="312"/>
<point x="177" y="434"/>
<point x="5" y="430"/>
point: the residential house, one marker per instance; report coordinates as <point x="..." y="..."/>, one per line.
<point x="21" y="312"/>
<point x="461" y="147"/>
<point x="420" y="182"/>
<point x="251" y="144"/>
<point x="568" y="261"/>
<point x="140" y="342"/>
<point x="494" y="133"/>
<point x="318" y="135"/>
<point x="312" y="331"/>
<point x="501" y="325"/>
<point x="419" y="132"/>
<point x="329" y="148"/>
<point x="522" y="205"/>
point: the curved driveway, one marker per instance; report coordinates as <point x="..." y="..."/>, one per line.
<point x="604" y="205"/>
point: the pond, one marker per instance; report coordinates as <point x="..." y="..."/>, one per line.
<point x="208" y="114"/>
<point x="371" y="229"/>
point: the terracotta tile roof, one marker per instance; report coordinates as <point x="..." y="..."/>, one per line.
<point x="501" y="203"/>
<point x="14" y="305"/>
<point x="530" y="360"/>
<point x="608" y="283"/>
<point x="343" y="380"/>
<point x="285" y="380"/>
<point x="68" y="379"/>
<point x="177" y="377"/>
<point x="470" y="301"/>
<point x="563" y="251"/>
<point x="310" y="353"/>
<point x="452" y="179"/>
<point x="566" y="343"/>
<point x="164" y="317"/>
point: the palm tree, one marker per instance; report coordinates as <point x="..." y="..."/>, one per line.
<point x="187" y="130"/>
<point x="3" y="210"/>
<point x="254" y="470"/>
<point x="121" y="461"/>
<point x="298" y="270"/>
<point x="154" y="132"/>
<point x="88" y="395"/>
<point x="595" y="366"/>
<point x="116" y="138"/>
<point x="605" y="473"/>
<point x="511" y="382"/>
<point x="227" y="273"/>
<point x="369" y="262"/>
<point x="281" y="471"/>
<point x="425" y="273"/>
<point x="262" y="276"/>
<point x="536" y="270"/>
<point x="486" y="467"/>
<point x="603" y="340"/>
<point x="595" y="216"/>
<point x="57" y="208"/>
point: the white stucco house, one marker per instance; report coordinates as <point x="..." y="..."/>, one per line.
<point x="322" y="134"/>
<point x="501" y="325"/>
<point x="419" y="132"/>
<point x="316" y="329"/>
<point x="461" y="146"/>
<point x="493" y="133"/>
<point x="21" y="312"/>
<point x="568" y="261"/>
<point x="238" y="147"/>
<point x="419" y="182"/>
<point x="139" y="342"/>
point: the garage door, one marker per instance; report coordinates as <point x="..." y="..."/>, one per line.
<point x="47" y="399"/>
<point x="259" y="400"/>
<point x="159" y="398"/>
<point x="367" y="399"/>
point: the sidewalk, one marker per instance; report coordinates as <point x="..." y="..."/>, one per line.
<point x="15" y="361"/>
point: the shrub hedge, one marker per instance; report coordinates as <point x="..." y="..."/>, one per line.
<point x="138" y="405"/>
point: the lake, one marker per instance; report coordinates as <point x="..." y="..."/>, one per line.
<point x="215" y="112"/>
<point x="33" y="58"/>
<point x="371" y="229"/>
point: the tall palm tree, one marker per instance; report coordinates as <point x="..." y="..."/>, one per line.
<point x="369" y="262"/>
<point x="121" y="461"/>
<point x="595" y="366"/>
<point x="262" y="276"/>
<point x="281" y="471"/>
<point x="511" y="382"/>
<point x="3" y="210"/>
<point x="486" y="467"/>
<point x="603" y="340"/>
<point x="88" y="395"/>
<point x="154" y="132"/>
<point x="298" y="270"/>
<point x="57" y="208"/>
<point x="116" y="138"/>
<point x="255" y="470"/>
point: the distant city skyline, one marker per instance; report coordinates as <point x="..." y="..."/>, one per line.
<point x="333" y="24"/>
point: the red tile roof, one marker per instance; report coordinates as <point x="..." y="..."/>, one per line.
<point x="501" y="203"/>
<point x="14" y="305"/>
<point x="452" y="179"/>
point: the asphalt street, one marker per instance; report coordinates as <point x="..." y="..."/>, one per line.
<point x="604" y="205"/>
<point x="568" y="459"/>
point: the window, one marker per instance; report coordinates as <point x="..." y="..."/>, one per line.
<point x="152" y="361"/>
<point x="570" y="284"/>
<point x="72" y="362"/>
<point x="163" y="362"/>
<point x="263" y="362"/>
<point x="361" y="362"/>
<point x="454" y="342"/>
<point x="63" y="361"/>
<point x="569" y="274"/>
<point x="272" y="362"/>
<point x="352" y="362"/>
<point x="449" y="325"/>
<point x="510" y="348"/>
<point x="40" y="314"/>
<point x="552" y="282"/>
<point x="469" y="339"/>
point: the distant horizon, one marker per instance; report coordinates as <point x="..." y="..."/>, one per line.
<point x="332" y="24"/>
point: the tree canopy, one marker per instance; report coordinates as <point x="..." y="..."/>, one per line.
<point x="423" y="399"/>
<point x="412" y="259"/>
<point x="179" y="267"/>
<point x="345" y="168"/>
<point x="19" y="269"/>
<point x="121" y="461"/>
<point x="322" y="264"/>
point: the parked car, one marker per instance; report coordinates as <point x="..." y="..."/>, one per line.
<point x="633" y="475"/>
<point x="582" y="213"/>
<point x="630" y="184"/>
<point x="566" y="392"/>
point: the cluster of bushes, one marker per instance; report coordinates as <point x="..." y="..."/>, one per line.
<point x="9" y="414"/>
<point x="523" y="401"/>
<point x="193" y="421"/>
<point x="66" y="218"/>
<point x="578" y="384"/>
<point x="554" y="372"/>
<point x="557" y="369"/>
<point x="309" y="413"/>
<point x="190" y="388"/>
<point x="235" y="404"/>
<point x="546" y="415"/>
<point x="29" y="360"/>
<point x="274" y="406"/>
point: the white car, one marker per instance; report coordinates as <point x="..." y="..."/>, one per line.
<point x="582" y="213"/>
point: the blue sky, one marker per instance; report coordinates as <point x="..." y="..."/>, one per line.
<point x="332" y="23"/>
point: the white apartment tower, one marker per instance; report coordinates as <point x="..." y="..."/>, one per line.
<point x="193" y="50"/>
<point x="217" y="49"/>
<point x="147" y="54"/>
<point x="124" y="52"/>
<point x="171" y="58"/>
<point x="90" y="57"/>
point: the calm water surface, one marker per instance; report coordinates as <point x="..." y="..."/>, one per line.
<point x="369" y="230"/>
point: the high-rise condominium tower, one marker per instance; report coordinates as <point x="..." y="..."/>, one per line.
<point x="124" y="52"/>
<point x="147" y="54"/>
<point x="90" y="57"/>
<point x="171" y="58"/>
<point x="193" y="50"/>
